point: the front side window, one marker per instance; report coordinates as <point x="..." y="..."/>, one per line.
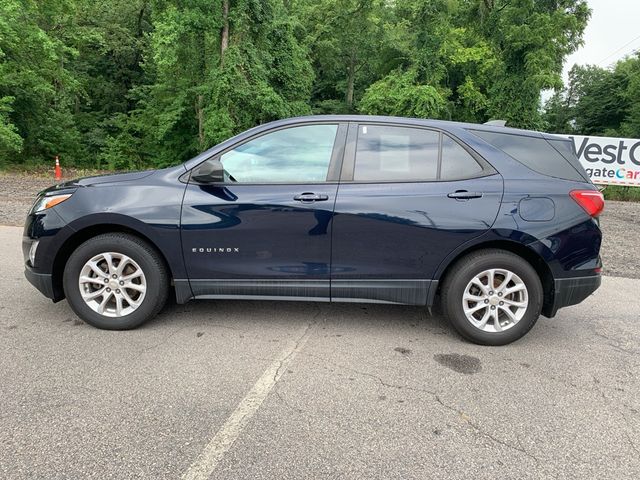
<point x="292" y="155"/>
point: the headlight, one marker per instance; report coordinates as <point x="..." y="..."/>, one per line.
<point x="45" y="202"/>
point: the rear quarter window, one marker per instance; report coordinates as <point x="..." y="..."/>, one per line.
<point x="534" y="153"/>
<point x="565" y="147"/>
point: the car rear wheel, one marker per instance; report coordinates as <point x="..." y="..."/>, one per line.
<point x="492" y="297"/>
<point x="115" y="281"/>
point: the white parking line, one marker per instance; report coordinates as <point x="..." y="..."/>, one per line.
<point x="208" y="460"/>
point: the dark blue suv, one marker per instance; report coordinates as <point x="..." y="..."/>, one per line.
<point x="494" y="225"/>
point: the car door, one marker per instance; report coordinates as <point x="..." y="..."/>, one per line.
<point x="408" y="197"/>
<point x="264" y="229"/>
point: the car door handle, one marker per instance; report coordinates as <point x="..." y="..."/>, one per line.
<point x="464" y="195"/>
<point x="311" y="197"/>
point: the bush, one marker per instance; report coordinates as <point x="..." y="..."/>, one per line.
<point x="623" y="193"/>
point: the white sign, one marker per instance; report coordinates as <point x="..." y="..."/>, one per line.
<point x="609" y="161"/>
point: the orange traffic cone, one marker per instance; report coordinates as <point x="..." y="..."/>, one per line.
<point x="58" y="170"/>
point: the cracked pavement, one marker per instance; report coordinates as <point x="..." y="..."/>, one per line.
<point x="374" y="391"/>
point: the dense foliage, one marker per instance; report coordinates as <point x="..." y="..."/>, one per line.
<point x="598" y="101"/>
<point x="133" y="83"/>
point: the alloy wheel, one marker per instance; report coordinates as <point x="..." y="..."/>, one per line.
<point x="495" y="300"/>
<point x="112" y="284"/>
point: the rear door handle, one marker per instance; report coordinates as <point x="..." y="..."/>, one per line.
<point x="464" y="195"/>
<point x="309" y="197"/>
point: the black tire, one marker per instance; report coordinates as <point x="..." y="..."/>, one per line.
<point x="149" y="261"/>
<point x="473" y="264"/>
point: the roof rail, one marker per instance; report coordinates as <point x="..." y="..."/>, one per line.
<point x="496" y="123"/>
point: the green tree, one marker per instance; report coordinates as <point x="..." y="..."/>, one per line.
<point x="214" y="68"/>
<point x="10" y="140"/>
<point x="531" y="40"/>
<point x="598" y="101"/>
<point x="414" y="84"/>
<point x="628" y="71"/>
<point x="480" y="60"/>
<point x="135" y="83"/>
<point x="37" y="89"/>
<point x="110" y="38"/>
<point x="346" y="44"/>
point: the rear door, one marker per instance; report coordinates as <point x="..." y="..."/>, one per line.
<point x="408" y="197"/>
<point x="265" y="231"/>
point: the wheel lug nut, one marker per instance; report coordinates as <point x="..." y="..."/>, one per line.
<point x="118" y="290"/>
<point x="106" y="280"/>
<point x="121" y="282"/>
<point x="500" y="294"/>
<point x="491" y="293"/>
<point x="486" y="301"/>
<point x="114" y="276"/>
<point x="493" y="307"/>
<point x="108" y="289"/>
<point x="501" y="303"/>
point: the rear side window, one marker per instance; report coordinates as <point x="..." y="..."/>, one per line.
<point x="396" y="153"/>
<point x="533" y="152"/>
<point x="405" y="154"/>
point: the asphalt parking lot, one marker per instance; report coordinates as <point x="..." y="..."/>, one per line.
<point x="263" y="390"/>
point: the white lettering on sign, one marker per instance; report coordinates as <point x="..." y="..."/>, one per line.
<point x="609" y="161"/>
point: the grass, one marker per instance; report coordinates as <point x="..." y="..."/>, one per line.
<point x="622" y="193"/>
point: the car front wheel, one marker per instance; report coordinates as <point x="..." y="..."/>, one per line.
<point x="115" y="281"/>
<point x="492" y="297"/>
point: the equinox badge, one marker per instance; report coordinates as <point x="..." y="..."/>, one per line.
<point x="215" y="250"/>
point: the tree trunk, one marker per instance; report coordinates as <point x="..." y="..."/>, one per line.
<point x="351" y="78"/>
<point x="224" y="35"/>
<point x="200" y="117"/>
<point x="143" y="8"/>
<point x="199" y="80"/>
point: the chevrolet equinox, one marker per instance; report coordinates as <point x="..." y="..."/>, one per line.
<point x="494" y="225"/>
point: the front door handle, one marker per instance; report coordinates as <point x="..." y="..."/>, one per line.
<point x="309" y="197"/>
<point x="464" y="195"/>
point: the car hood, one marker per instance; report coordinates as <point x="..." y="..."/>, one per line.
<point x="99" y="180"/>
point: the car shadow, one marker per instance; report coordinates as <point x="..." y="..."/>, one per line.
<point x="236" y="313"/>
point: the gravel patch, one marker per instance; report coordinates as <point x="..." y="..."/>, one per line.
<point x="620" y="221"/>
<point x="17" y="193"/>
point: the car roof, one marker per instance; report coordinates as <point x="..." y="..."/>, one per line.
<point x="443" y="124"/>
<point x="440" y="124"/>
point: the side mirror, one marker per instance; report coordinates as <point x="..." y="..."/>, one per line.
<point x="210" y="171"/>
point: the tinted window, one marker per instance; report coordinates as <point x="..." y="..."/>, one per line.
<point x="565" y="147"/>
<point x="457" y="163"/>
<point x="535" y="153"/>
<point x="396" y="154"/>
<point x="292" y="155"/>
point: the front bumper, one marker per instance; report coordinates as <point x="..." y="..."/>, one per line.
<point x="43" y="282"/>
<point x="50" y="231"/>
<point x="571" y="291"/>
